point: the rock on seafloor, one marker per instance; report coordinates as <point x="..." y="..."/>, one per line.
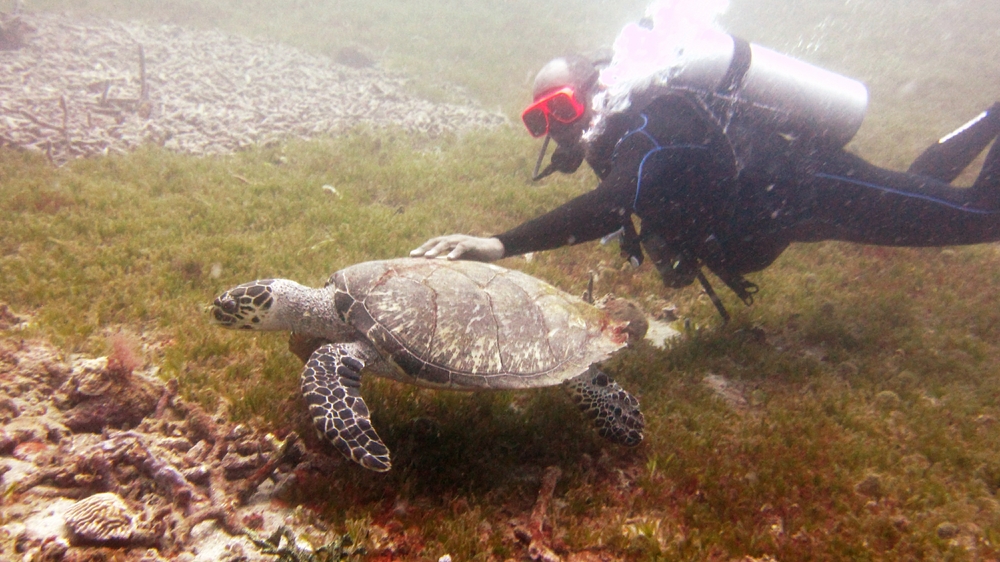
<point x="101" y="519"/>
<point x="168" y="482"/>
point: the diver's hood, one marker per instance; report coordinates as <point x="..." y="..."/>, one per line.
<point x="571" y="70"/>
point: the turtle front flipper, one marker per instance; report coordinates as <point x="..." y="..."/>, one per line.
<point x="331" y="384"/>
<point x="615" y="412"/>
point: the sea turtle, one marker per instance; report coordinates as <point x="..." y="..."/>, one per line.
<point x="458" y="325"/>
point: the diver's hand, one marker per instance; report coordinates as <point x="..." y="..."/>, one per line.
<point x="461" y="246"/>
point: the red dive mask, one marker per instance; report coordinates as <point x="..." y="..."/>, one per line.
<point x="561" y="105"/>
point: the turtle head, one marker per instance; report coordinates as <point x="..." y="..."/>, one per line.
<point x="265" y="304"/>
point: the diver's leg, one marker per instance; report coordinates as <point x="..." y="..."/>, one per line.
<point x="855" y="201"/>
<point x="946" y="159"/>
<point x="989" y="177"/>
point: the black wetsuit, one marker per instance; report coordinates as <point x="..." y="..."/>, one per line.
<point x="734" y="201"/>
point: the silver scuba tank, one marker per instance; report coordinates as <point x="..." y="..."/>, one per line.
<point x="764" y="88"/>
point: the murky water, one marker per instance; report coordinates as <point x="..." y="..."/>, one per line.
<point x="927" y="66"/>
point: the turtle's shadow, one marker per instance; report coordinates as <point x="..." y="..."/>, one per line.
<point x="447" y="442"/>
<point x="484" y="440"/>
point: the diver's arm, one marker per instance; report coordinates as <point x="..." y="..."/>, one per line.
<point x="576" y="221"/>
<point x="461" y="246"/>
<point x="587" y="217"/>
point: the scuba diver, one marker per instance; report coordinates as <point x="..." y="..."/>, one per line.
<point x="728" y="160"/>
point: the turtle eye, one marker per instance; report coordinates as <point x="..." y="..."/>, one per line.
<point x="226" y="304"/>
<point x="221" y="316"/>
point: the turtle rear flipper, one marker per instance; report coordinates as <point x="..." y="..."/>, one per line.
<point x="615" y="412"/>
<point x="331" y="384"/>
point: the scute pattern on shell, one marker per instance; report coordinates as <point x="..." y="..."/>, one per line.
<point x="500" y="328"/>
<point x="101" y="518"/>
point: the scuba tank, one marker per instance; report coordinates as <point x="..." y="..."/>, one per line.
<point x="758" y="97"/>
<point x="757" y="88"/>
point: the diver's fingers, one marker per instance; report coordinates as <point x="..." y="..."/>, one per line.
<point x="437" y="245"/>
<point x="462" y="250"/>
<point x="461" y="246"/>
<point x="440" y="245"/>
<point x="479" y="249"/>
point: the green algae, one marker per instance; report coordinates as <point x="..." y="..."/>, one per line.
<point x="868" y="376"/>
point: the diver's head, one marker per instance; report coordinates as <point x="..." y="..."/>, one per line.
<point x="562" y="94"/>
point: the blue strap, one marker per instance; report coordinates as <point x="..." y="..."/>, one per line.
<point x="657" y="147"/>
<point x="905" y="194"/>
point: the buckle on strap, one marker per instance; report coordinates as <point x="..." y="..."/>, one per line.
<point x="744" y="289"/>
<point x="738" y="284"/>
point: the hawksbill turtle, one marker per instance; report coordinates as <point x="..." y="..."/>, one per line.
<point x="443" y="324"/>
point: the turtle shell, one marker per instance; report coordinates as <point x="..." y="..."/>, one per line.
<point x="471" y="325"/>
